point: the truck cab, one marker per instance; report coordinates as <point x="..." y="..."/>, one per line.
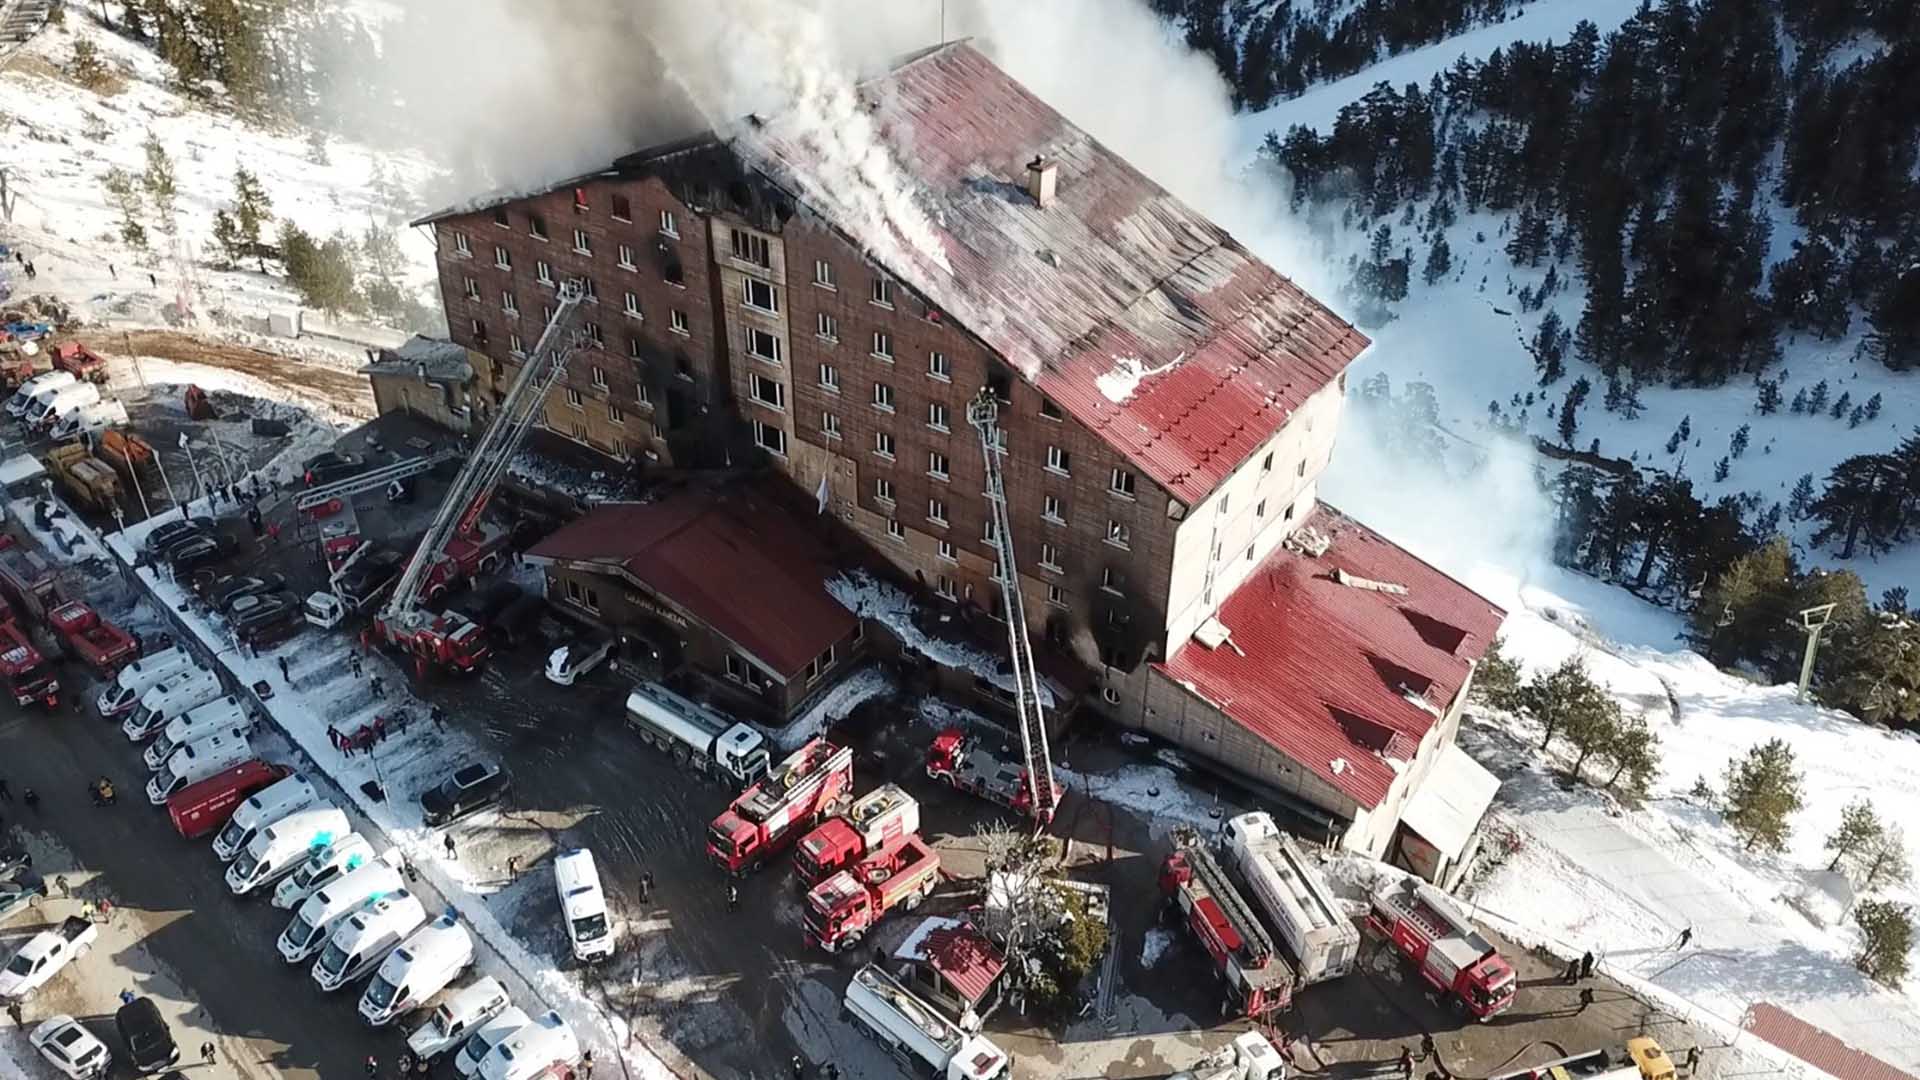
<point x="29" y="677"/>
<point x="842" y="909"/>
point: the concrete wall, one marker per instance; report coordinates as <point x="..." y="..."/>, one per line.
<point x="440" y="403"/>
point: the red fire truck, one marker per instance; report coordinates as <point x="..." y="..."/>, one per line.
<point x="877" y="822"/>
<point x="768" y="816"/>
<point x="105" y="647"/>
<point x="1259" y="981"/>
<point x="841" y="909"/>
<point x="1446" y="949"/>
<point x="968" y="763"/>
<point x="29" y="677"/>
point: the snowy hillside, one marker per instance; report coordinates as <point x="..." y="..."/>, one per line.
<point x="62" y="139"/>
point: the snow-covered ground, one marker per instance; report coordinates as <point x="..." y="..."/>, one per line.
<point x="62" y="138"/>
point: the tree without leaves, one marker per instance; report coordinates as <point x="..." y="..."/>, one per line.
<point x="1762" y="795"/>
<point x="1886" y="932"/>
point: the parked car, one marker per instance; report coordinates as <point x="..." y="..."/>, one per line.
<point x="332" y="465"/>
<point x="171" y="532"/>
<point x="150" y="1044"/>
<point x="470" y="789"/>
<point x="164" y="551"/>
<point x="72" y="1049"/>
<point x="259" y="610"/>
<point x="196" y="553"/>
<point x="225" y="591"/>
<point x="13" y="860"/>
<point x="21" y="892"/>
<point x="566" y="664"/>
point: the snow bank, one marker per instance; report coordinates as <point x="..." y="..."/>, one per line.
<point x="1154" y="792"/>
<point x="846" y="695"/>
<point x="869" y="597"/>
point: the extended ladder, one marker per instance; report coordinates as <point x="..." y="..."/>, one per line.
<point x="494" y="451"/>
<point x="984" y="414"/>
<point x="366" y="481"/>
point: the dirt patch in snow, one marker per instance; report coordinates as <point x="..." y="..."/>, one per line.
<point x="341" y="388"/>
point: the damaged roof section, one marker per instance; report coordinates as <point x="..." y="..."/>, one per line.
<point x="1115" y="289"/>
<point x="423" y="358"/>
<point x="1341" y="661"/>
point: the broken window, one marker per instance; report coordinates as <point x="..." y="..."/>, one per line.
<point x="622" y="208"/>
<point x="751" y="248"/>
<point x="537" y="226"/>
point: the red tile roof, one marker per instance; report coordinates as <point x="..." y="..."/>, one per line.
<point x="745" y="568"/>
<point x="1815" y="1046"/>
<point x="1322" y="670"/>
<point x="1116" y="276"/>
<point x="967" y="960"/>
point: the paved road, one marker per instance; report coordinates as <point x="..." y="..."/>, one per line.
<point x="218" y="951"/>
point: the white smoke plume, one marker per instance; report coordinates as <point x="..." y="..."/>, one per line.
<point x="511" y="96"/>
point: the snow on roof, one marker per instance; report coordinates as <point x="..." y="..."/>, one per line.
<point x="1133" y="311"/>
<point x="1323" y="670"/>
<point x="434" y="358"/>
<point x="1816" y="1046"/>
<point x="1451" y="801"/>
<point x="755" y="577"/>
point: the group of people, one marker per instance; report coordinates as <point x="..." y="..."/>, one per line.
<point x="101" y="791"/>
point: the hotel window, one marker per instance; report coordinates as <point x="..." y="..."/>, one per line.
<point x="632" y="305"/>
<point x="937" y="415"/>
<point x="1266" y="464"/>
<point x="472" y="289"/>
<point x="600" y="377"/>
<point x="589" y="291"/>
<point x="595" y="335"/>
<point x="751" y="248"/>
<point x="882" y="292"/>
<point x="1121" y="483"/>
<point x="1050" y="509"/>
<point x="537" y="226"/>
<point x="502" y="258"/>
<point x="883" y="397"/>
<point x="883" y="346"/>
<point x="770" y="438"/>
<point x="944" y="586"/>
<point x="461" y="244"/>
<point x="574" y="401"/>
<point x="763" y="345"/>
<point x="826" y="327"/>
<point x="542" y="272"/>
<point x="829" y="425"/>
<point x="500" y="218"/>
<point x="1056" y="596"/>
<point x="508" y="304"/>
<point x="1059" y="461"/>
<point x="1111" y="581"/>
<point x="823" y="273"/>
<point x="883" y="489"/>
<point x="668" y="225"/>
<point x="938" y="367"/>
<point x="1050" y="557"/>
<point x="896" y="530"/>
<point x="1049" y="410"/>
<point x="770" y="392"/>
<point x="937" y="465"/>
<point x="760" y="296"/>
<point x="614" y="415"/>
<point x="622" y="208"/>
<point x="679" y="324"/>
<point x="947" y="553"/>
<point x="937" y="511"/>
<point x="1260" y="509"/>
<point x="1118" y="534"/>
<point x="514" y="345"/>
<point x="635" y="347"/>
<point x="829" y="378"/>
<point x="626" y="257"/>
<point x="883" y="444"/>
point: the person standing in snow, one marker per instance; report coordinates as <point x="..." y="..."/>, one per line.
<point x="447" y="842"/>
<point x="1685" y="936"/>
<point x="1586" y="965"/>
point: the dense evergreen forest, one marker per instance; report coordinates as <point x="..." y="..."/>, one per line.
<point x="1647" y="167"/>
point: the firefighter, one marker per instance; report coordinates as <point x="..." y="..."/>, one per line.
<point x="733" y="897"/>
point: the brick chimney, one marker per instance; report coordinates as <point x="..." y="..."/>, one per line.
<point x="1042" y="176"/>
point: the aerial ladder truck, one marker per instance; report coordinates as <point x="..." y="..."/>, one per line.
<point x="962" y="760"/>
<point x="452" y="640"/>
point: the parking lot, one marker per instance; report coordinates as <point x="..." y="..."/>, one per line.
<point x="714" y="993"/>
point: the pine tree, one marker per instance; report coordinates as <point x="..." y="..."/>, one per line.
<point x="1686" y="428"/>
<point x="1817" y="401"/>
<point x="1569" y="422"/>
<point x="1873" y="407"/>
<point x="1769" y="402"/>
<point x="1858" y="415"/>
<point x="1738" y="446"/>
<point x="123" y="191"/>
<point x="227" y="235"/>
<point x="1860" y="828"/>
<point x="1872" y="668"/>
<point x="1721" y="469"/>
<point x="1439" y="261"/>
<point x="1549" y="348"/>
<point x="86" y="67"/>
<point x="1886" y="933"/>
<point x="1882" y="863"/>
<point x="252" y="209"/>
<point x="1799" y="402"/>
<point x="1631" y="407"/>
<point x="1862" y="500"/>
<point x="1841" y="405"/>
<point x="1496" y="680"/>
<point x="158" y="181"/>
<point x="1801" y="500"/>
<point x="1740" y="609"/>
<point x="1559" y="697"/>
<point x="317" y="148"/>
<point x="1634" y="753"/>
<point x="1591" y="722"/>
<point x="1762" y="795"/>
<point x="1674" y="440"/>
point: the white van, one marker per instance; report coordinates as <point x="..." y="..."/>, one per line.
<point x="542" y="1047"/>
<point x="324" y="867"/>
<point x="364" y="938"/>
<point x="195" y="724"/>
<point x="123" y="693"/>
<point x="87" y="421"/>
<point x="45" y="383"/>
<point x="262" y="808"/>
<point x="320" y="914"/>
<point x="421" y="967"/>
<point x="583" y="905"/>
<point x="196" y="761"/>
<point x="489" y="1035"/>
<point x="66" y="401"/>
<point x="567" y="663"/>
<point x="166" y="700"/>
<point x="456" y="1018"/>
<point x="281" y="847"/>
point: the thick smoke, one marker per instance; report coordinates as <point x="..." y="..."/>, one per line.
<point x="510" y="96"/>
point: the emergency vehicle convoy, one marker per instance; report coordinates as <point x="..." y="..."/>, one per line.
<point x="873" y="824"/>
<point x="1259" y="981"/>
<point x="771" y="814"/>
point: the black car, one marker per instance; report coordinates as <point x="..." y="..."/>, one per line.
<point x="224" y="593"/>
<point x="150" y="1045"/>
<point x="470" y="789"/>
<point x="195" y="553"/>
<point x="169" y="533"/>
<point x="21" y="892"/>
<point x="13" y="860"/>
<point x="251" y="611"/>
<point x="164" y="552"/>
<point x="332" y="465"/>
